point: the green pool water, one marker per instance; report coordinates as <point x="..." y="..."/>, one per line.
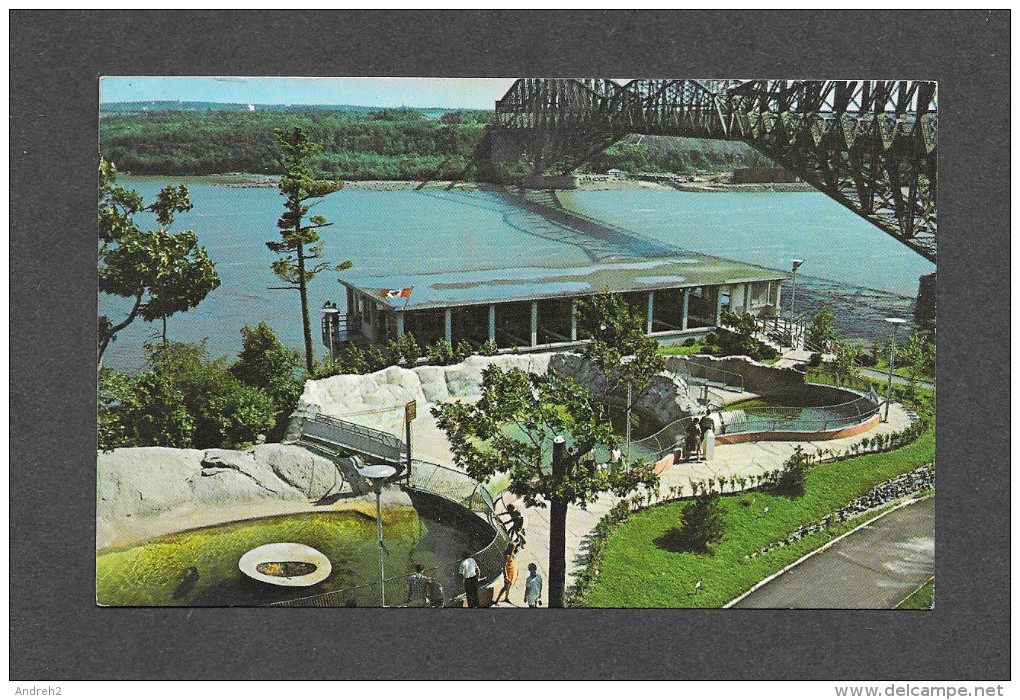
<point x="199" y="567"/>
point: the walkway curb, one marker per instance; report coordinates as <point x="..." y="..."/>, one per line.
<point x="824" y="547"/>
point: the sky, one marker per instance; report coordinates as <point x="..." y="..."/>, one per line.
<point x="469" y="93"/>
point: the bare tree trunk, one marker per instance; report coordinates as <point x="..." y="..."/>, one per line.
<point x="558" y="530"/>
<point x="306" y="325"/>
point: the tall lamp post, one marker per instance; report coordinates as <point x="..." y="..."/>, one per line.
<point x="330" y="326"/>
<point x="377" y="474"/>
<point x="793" y="295"/>
<point x="896" y="323"/>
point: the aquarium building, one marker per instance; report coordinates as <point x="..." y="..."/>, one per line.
<point x="533" y="308"/>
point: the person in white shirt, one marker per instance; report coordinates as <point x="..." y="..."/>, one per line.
<point x="470" y="572"/>
<point x="533" y="587"/>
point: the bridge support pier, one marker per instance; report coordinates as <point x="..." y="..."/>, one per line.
<point x="924" y="311"/>
<point x="687" y="306"/>
<point x="492" y="323"/>
<point x="448" y="325"/>
<point x="573" y="320"/>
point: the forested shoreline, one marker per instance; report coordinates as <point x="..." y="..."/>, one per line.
<point x="387" y="144"/>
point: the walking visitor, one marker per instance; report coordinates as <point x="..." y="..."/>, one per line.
<point x="707" y="426"/>
<point x="417" y="587"/>
<point x="533" y="587"/>
<point x="509" y="573"/>
<point x="693" y="439"/>
<point x="470" y="572"/>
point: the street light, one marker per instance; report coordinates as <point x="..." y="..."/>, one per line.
<point x="793" y="296"/>
<point x="330" y="326"/>
<point x="896" y="323"/>
<point x="377" y="474"/>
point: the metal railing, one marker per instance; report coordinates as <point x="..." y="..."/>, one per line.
<point x="352" y="437"/>
<point x="797" y="419"/>
<point x="455" y="487"/>
<point x="790" y="419"/>
<point x="703" y="375"/>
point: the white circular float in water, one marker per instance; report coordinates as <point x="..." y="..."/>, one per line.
<point x="285" y="564"/>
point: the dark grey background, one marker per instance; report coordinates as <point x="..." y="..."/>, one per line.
<point x="57" y="632"/>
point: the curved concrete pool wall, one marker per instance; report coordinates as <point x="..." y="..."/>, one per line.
<point x="821" y="396"/>
<point x="792" y="436"/>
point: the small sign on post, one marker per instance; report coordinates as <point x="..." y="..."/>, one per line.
<point x="410" y="413"/>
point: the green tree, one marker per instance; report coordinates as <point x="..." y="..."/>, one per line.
<point x="918" y="356"/>
<point x="299" y="242"/>
<point x="844" y="366"/>
<point x="161" y="272"/>
<point x="182" y="381"/>
<point x="701" y="524"/>
<point x="792" y="478"/>
<point x="515" y="428"/>
<point x="821" y="334"/>
<point x="619" y="349"/>
<point x="265" y="363"/>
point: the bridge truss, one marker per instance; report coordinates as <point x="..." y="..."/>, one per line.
<point x="872" y="145"/>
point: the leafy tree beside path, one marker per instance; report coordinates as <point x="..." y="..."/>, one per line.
<point x="520" y="425"/>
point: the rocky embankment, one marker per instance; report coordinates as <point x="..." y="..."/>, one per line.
<point x="376" y="400"/>
<point x="147" y="491"/>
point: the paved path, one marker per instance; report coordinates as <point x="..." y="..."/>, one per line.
<point x="875" y="567"/>
<point x="741" y="459"/>
<point x="883" y="377"/>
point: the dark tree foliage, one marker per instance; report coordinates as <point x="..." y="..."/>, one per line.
<point x="183" y="399"/>
<point x="792" y="479"/>
<point x="163" y="273"/>
<point x="702" y="523"/>
<point x="265" y="363"/>
<point x="619" y="348"/>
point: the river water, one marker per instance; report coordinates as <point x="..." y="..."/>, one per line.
<point x="398" y="232"/>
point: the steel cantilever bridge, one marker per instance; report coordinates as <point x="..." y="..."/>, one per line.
<point x="872" y="145"/>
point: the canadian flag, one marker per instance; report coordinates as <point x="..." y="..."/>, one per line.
<point x="396" y="293"/>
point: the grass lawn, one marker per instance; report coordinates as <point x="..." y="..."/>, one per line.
<point x="696" y="349"/>
<point x="638" y="572"/>
<point x="921" y="599"/>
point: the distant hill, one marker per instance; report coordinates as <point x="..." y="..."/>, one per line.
<point x="361" y="143"/>
<point x="122" y="108"/>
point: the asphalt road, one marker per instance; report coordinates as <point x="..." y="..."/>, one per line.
<point x="875" y="567"/>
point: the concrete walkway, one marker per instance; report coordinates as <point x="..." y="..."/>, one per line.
<point x="742" y="459"/>
<point x="874" y="567"/>
<point x="883" y="378"/>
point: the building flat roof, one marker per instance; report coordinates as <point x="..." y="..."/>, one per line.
<point x="474" y="287"/>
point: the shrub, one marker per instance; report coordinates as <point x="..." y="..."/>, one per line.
<point x="701" y="524"/>
<point x="464" y="351"/>
<point x="488" y="348"/>
<point x="792" y="478"/>
<point x="405" y="350"/>
<point x="689" y="343"/>
<point x="815" y="360"/>
<point x="440" y="353"/>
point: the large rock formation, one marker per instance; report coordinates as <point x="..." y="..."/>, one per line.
<point x="376" y="400"/>
<point x="145" y="490"/>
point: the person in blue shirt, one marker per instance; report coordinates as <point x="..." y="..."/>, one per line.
<point x="533" y="587"/>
